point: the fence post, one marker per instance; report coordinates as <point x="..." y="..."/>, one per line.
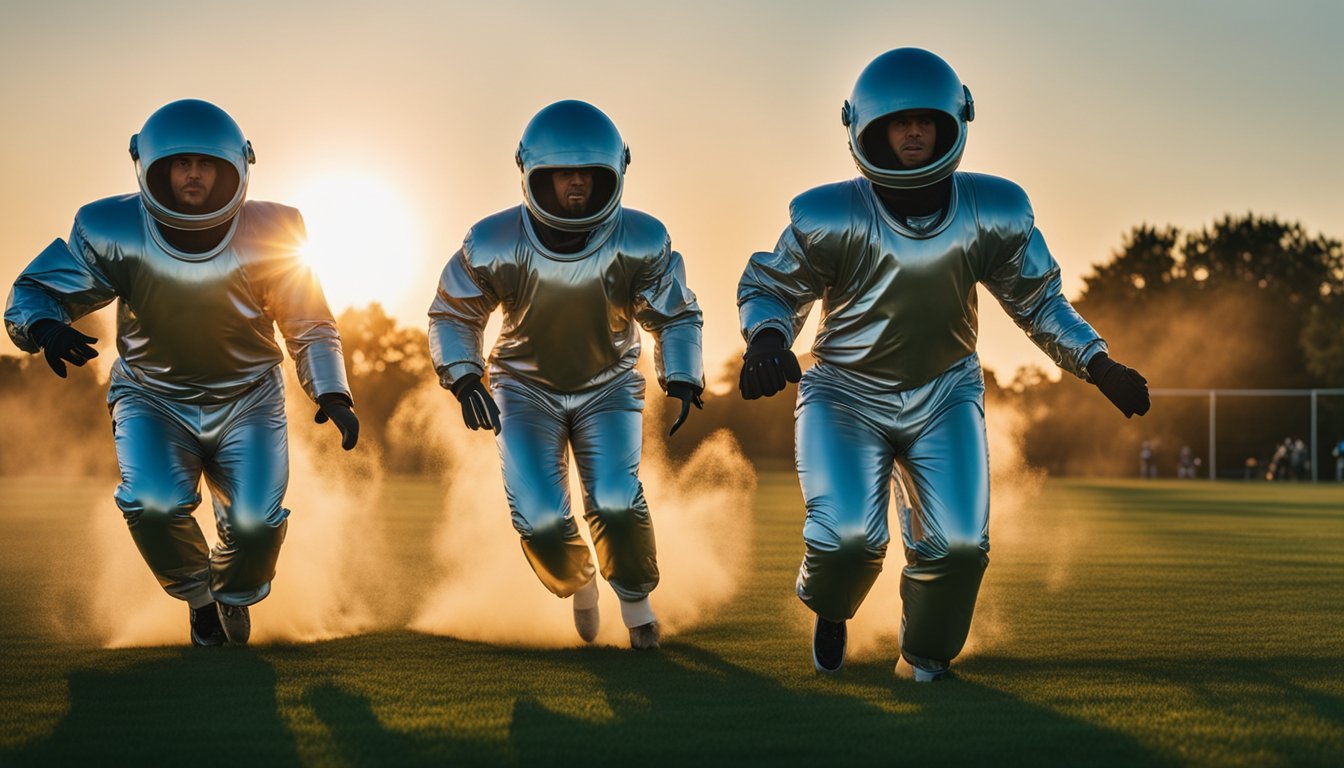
<point x="1213" y="434"/>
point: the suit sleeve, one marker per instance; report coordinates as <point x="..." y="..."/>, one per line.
<point x="778" y="288"/>
<point x="665" y="306"/>
<point x="1025" y="279"/>
<point x="457" y="317"/>
<point x="294" y="299"/>
<point x="64" y="283"/>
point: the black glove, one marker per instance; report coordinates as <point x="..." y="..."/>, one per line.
<point x="340" y="410"/>
<point x="1123" y="386"/>
<point x="689" y="395"/>
<point x="60" y="342"/>
<point x="478" y="407"/>
<point x="767" y="365"/>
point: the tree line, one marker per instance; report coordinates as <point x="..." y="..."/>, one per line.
<point x="1247" y="302"/>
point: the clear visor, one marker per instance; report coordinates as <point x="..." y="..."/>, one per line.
<point x="192" y="193"/>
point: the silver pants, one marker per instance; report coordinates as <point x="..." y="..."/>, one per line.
<point x="163" y="448"/>
<point x="849" y="437"/>
<point x="603" y="426"/>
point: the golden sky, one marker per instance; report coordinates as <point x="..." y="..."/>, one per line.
<point x="393" y="125"/>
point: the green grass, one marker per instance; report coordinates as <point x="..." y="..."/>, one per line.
<point x="1154" y="623"/>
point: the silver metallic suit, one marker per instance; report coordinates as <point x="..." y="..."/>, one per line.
<point x="896" y="379"/>
<point x="563" y="369"/>
<point x="197" y="388"/>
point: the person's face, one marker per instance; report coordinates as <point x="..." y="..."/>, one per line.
<point x="192" y="178"/>
<point x="912" y="135"/>
<point x="573" y="187"/>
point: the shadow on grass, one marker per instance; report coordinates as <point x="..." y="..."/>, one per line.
<point x="686" y="705"/>
<point x="201" y="706"/>
<point x="680" y="705"/>
<point x="402" y="698"/>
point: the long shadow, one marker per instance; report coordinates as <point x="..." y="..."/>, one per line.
<point x="356" y="734"/>
<point x="176" y="706"/>
<point x="460" y="703"/>
<point x="696" y="707"/>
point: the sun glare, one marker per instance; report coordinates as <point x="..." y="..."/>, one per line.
<point x="362" y="241"/>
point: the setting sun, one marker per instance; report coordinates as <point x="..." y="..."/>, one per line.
<point x="361" y="240"/>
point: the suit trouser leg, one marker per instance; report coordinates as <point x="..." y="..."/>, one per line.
<point x="531" y="442"/>
<point x="844" y="466"/>
<point x="248" y="476"/>
<point x="607" y="438"/>
<point x="160" y="462"/>
<point x="946" y="531"/>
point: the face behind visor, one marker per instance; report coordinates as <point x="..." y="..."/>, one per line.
<point x="191" y="127"/>
<point x="897" y="81"/>
<point x="572" y="135"/>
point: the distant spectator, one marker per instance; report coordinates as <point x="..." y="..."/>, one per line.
<point x="1252" y="467"/>
<point x="1185" y="467"/>
<point x="1301" y="464"/>
<point x="1338" y="453"/>
<point x="1147" y="467"/>
<point x="1279" y="468"/>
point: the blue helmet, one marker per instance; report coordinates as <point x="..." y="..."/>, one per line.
<point x="900" y="80"/>
<point x="573" y="134"/>
<point x="191" y="127"/>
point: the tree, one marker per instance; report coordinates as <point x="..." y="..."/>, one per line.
<point x="384" y="362"/>
<point x="1249" y="302"/>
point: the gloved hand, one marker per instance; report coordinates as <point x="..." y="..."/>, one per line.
<point x="689" y="395"/>
<point x="340" y="410"/>
<point x="478" y="407"/>
<point x="767" y="365"/>
<point x="1123" y="386"/>
<point x="60" y="342"/>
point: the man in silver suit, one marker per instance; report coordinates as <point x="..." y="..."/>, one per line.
<point x="201" y="278"/>
<point x="895" y="257"/>
<point x="577" y="275"/>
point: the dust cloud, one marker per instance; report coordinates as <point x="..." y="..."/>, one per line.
<point x="486" y="591"/>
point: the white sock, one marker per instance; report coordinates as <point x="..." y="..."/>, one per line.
<point x="637" y="613"/>
<point x="586" y="597"/>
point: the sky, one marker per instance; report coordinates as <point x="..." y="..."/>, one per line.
<point x="393" y="125"/>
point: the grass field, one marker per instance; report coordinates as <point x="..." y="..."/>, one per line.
<point x="1161" y="623"/>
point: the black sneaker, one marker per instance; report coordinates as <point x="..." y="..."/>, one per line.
<point x="828" y="645"/>
<point x="236" y="621"/>
<point x="206" y="631"/>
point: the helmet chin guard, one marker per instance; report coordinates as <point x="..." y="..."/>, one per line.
<point x="191" y="127"/>
<point x="900" y="80"/>
<point x="573" y="134"/>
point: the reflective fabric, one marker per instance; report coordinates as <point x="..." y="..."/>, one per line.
<point x="849" y="436"/>
<point x="163" y="448"/>
<point x="193" y="328"/>
<point x="603" y="428"/>
<point x="571" y="321"/>
<point x="899" y="305"/>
